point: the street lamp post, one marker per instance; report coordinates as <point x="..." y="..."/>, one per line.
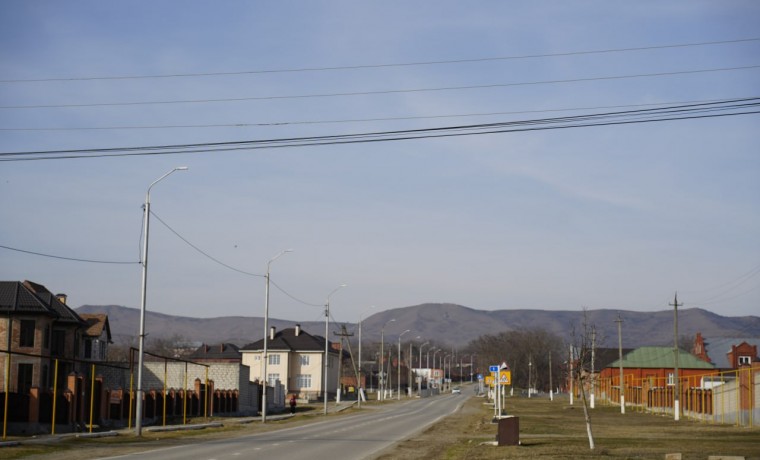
<point x="327" y="342"/>
<point x="146" y="228"/>
<point x="447" y="355"/>
<point x="382" y="357"/>
<point x="265" y="357"/>
<point x="471" y="369"/>
<point x="419" y="384"/>
<point x="398" y="372"/>
<point x="437" y="350"/>
<point x="360" y="382"/>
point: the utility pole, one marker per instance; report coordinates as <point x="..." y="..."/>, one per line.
<point x="551" y="386"/>
<point x="677" y="387"/>
<point x="619" y="322"/>
<point x="343" y="334"/>
<point x="572" y="377"/>
<point x="593" y="356"/>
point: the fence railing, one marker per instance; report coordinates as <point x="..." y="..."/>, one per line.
<point x="43" y="394"/>
<point x="728" y="397"/>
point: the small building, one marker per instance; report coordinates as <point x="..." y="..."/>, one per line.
<point x="657" y="366"/>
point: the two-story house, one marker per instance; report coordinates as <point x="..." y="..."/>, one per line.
<point x="37" y="327"/>
<point x="726" y="353"/>
<point x="295" y="358"/>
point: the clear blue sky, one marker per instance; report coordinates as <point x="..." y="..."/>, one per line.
<point x="615" y="216"/>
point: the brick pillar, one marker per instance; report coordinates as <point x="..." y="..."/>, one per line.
<point x="34" y="405"/>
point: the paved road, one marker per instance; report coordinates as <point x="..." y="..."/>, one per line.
<point x="360" y="436"/>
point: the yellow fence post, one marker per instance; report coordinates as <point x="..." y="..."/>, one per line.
<point x="164" y="395"/>
<point x="184" y="399"/>
<point x="55" y="395"/>
<point x="92" y="395"/>
<point x="7" y="388"/>
<point x="205" y="398"/>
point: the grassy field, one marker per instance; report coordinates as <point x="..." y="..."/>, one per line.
<point x="556" y="430"/>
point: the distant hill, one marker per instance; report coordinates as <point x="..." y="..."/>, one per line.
<point x="450" y="324"/>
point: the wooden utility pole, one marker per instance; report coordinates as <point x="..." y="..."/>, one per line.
<point x="619" y="322"/>
<point x="677" y="382"/>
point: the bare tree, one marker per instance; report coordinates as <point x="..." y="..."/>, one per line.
<point x="582" y="346"/>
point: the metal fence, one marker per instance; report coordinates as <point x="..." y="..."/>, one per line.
<point x="728" y="397"/>
<point x="76" y="395"/>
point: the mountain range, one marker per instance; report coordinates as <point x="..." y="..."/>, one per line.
<point x="441" y="323"/>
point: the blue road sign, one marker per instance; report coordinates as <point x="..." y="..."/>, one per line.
<point x="493" y="368"/>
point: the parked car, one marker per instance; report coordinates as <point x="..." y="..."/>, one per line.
<point x="456" y="390"/>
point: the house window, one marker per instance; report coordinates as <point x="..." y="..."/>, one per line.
<point x="59" y="343"/>
<point x="303" y="381"/>
<point x="671" y="379"/>
<point x="27" y="333"/>
<point x="305" y="360"/>
<point x="274" y="360"/>
<point x="87" y="349"/>
<point x="745" y="360"/>
<point x="45" y="377"/>
<point x="25" y="372"/>
<point x="46" y="338"/>
<point x="272" y="379"/>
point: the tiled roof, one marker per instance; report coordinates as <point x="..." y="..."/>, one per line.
<point x="218" y="351"/>
<point x="33" y="298"/>
<point x="718" y="348"/>
<point x="97" y="323"/>
<point x="287" y="340"/>
<point x="16" y="298"/>
<point x="660" y="358"/>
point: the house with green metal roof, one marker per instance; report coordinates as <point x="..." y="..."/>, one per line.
<point x="657" y="364"/>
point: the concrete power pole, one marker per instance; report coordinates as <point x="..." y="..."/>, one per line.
<point x="619" y="322"/>
<point x="344" y="334"/>
<point x="677" y="382"/>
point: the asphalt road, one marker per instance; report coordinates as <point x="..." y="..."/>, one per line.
<point x="360" y="436"/>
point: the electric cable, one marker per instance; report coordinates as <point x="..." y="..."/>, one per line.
<point x="73" y="259"/>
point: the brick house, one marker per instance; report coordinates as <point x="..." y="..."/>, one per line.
<point x="295" y="358"/>
<point x="726" y="353"/>
<point x="42" y="327"/>
<point x="656" y="364"/>
<point x="96" y="337"/>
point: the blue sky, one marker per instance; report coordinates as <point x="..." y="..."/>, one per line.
<point x="599" y="217"/>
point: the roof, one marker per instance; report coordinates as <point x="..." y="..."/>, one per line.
<point x="660" y="358"/>
<point x="287" y="340"/>
<point x="97" y="323"/>
<point x="219" y="351"/>
<point x="718" y="348"/>
<point x="32" y="298"/>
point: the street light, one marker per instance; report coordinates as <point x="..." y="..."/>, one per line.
<point x="398" y="363"/>
<point x="448" y="355"/>
<point x="360" y="382"/>
<point x="382" y="351"/>
<point x="419" y="385"/>
<point x="437" y="350"/>
<point x="146" y="225"/>
<point x="265" y="358"/>
<point x="327" y="320"/>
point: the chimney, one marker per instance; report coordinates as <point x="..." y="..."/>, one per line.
<point x="298" y="330"/>
<point x="272" y="331"/>
<point x="62" y="298"/>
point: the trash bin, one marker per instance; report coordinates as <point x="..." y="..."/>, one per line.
<point x="509" y="431"/>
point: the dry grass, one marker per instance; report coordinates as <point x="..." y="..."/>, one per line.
<point x="556" y="430"/>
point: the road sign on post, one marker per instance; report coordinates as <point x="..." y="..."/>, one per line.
<point x="505" y="377"/>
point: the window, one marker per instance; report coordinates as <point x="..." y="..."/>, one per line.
<point x="304" y="360"/>
<point x="87" y="349"/>
<point x="671" y="379"/>
<point x="303" y="381"/>
<point x="745" y="360"/>
<point x="272" y="379"/>
<point x="46" y="338"/>
<point x="27" y="333"/>
<point x="25" y="372"/>
<point x="59" y="343"/>
<point x="274" y="360"/>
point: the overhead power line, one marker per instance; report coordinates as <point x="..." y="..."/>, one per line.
<point x="360" y="120"/>
<point x="375" y="66"/>
<point x="379" y="92"/>
<point x="725" y="108"/>
<point x="73" y="259"/>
